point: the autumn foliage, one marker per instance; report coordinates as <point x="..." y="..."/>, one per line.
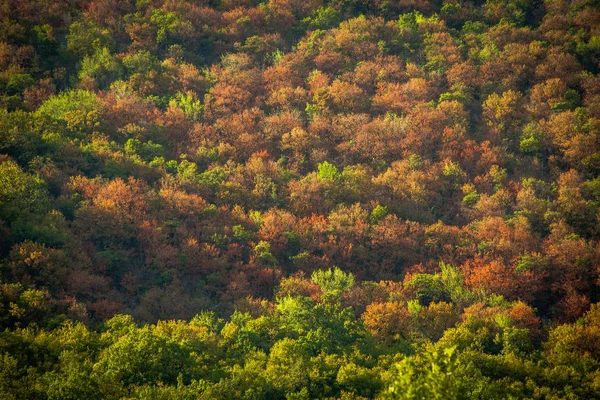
<point x="415" y="172"/>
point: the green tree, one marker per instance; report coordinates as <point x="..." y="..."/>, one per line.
<point x="333" y="281"/>
<point x="76" y="111"/>
<point x="20" y="192"/>
<point x="435" y="374"/>
<point x="140" y="356"/>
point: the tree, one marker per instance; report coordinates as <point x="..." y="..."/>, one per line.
<point x="99" y="69"/>
<point x="438" y="374"/>
<point x="20" y="192"/>
<point x="139" y="356"/>
<point x="36" y="266"/>
<point x="389" y="321"/>
<point x="77" y="111"/>
<point x="333" y="281"/>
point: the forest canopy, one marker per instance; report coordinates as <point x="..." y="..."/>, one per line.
<point x="289" y="199"/>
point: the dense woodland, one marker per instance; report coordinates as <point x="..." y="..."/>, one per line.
<point x="296" y="199"/>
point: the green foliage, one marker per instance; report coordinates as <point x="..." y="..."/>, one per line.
<point x="191" y="107"/>
<point x="262" y="251"/>
<point x="327" y="172"/>
<point x="323" y="18"/>
<point x="530" y="140"/>
<point x="454" y="285"/>
<point x="242" y="234"/>
<point x="531" y="262"/>
<point x="453" y="170"/>
<point x="458" y="93"/>
<point x="333" y="281"/>
<point x="378" y="213"/>
<point x="312" y="350"/>
<point x="169" y="166"/>
<point x="20" y="192"/>
<point x="16" y="83"/>
<point x="85" y="38"/>
<point x="147" y="151"/>
<point x="471" y="198"/>
<point x="427" y="288"/>
<point x="168" y="25"/>
<point x="77" y="111"/>
<point x="287" y="366"/>
<point x="437" y="374"/>
<point x="359" y="380"/>
<point x="18" y="136"/>
<point x="141" y="62"/>
<point x="212" y="178"/>
<point x="140" y="356"/>
<point x="101" y="67"/>
<point x="21" y="306"/>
